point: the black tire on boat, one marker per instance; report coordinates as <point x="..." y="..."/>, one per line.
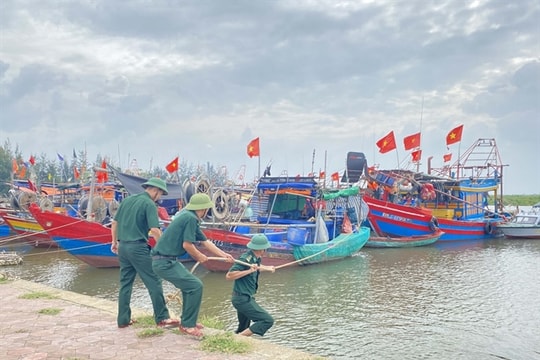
<point x="433" y="224"/>
<point x="488" y="228"/>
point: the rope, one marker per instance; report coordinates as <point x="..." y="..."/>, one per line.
<point x="63" y="250"/>
<point x="176" y="296"/>
<point x="330" y="246"/>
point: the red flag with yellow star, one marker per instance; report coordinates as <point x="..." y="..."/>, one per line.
<point x="253" y="148"/>
<point x="387" y="143"/>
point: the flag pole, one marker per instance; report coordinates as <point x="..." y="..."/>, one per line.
<point x="421" y="118"/>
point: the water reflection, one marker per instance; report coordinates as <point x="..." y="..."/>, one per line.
<point x="458" y="301"/>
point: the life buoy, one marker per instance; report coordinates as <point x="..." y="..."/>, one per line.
<point x="488" y="228"/>
<point x="433" y="224"/>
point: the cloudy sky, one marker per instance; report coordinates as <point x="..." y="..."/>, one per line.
<point x="152" y="80"/>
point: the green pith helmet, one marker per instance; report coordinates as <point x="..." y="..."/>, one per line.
<point x="157" y="183"/>
<point x="199" y="201"/>
<point x="259" y="242"/>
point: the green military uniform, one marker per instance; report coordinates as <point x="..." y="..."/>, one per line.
<point x="184" y="227"/>
<point x="243" y="299"/>
<point x="136" y="215"/>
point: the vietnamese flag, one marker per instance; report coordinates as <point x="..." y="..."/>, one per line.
<point x="22" y="171"/>
<point x="454" y="136"/>
<point x="416" y="155"/>
<point x="335" y="176"/>
<point x="387" y="143"/>
<point x="172" y="166"/>
<point x="447" y="157"/>
<point x="14" y="166"/>
<point x="103" y="176"/>
<point x="411" y="141"/>
<point x="253" y="148"/>
<point x="76" y="173"/>
<point x="322" y="174"/>
<point x="32" y="160"/>
<point x="31" y="186"/>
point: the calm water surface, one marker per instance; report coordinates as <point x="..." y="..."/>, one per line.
<point x="456" y="301"/>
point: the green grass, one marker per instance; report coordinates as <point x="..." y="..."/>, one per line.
<point x="50" y="311"/>
<point x="149" y="332"/>
<point x="38" y="295"/>
<point x="212" y="322"/>
<point x="225" y="343"/>
<point x="145" y="322"/>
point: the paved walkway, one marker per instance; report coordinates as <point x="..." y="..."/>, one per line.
<point x="86" y="328"/>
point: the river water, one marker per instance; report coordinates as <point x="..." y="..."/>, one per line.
<point x="474" y="300"/>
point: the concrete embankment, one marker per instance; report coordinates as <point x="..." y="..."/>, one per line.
<point x="84" y="327"/>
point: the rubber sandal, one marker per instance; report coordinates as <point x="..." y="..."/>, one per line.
<point x="168" y="323"/>
<point x="194" y="332"/>
<point x="131" y="322"/>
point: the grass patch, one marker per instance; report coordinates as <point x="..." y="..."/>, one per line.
<point x="3" y="280"/>
<point x="145" y="322"/>
<point x="38" y="295"/>
<point x="149" y="332"/>
<point x="225" y="343"/>
<point x="212" y="322"/>
<point x="50" y="311"/>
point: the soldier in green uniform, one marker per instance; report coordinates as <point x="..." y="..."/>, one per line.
<point x="246" y="283"/>
<point x="135" y="218"/>
<point x="179" y="238"/>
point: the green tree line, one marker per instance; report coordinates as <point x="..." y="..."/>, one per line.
<point x="520" y="200"/>
<point x="46" y="170"/>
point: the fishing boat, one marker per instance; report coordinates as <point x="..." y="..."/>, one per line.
<point x="403" y="241"/>
<point x="27" y="229"/>
<point x="5" y="230"/>
<point x="304" y="223"/>
<point x="407" y="203"/>
<point x="524" y="225"/>
<point x="283" y="254"/>
<point x="88" y="241"/>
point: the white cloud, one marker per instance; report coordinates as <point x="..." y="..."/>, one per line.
<point x="201" y="79"/>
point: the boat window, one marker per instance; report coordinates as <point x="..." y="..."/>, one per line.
<point x="525" y="219"/>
